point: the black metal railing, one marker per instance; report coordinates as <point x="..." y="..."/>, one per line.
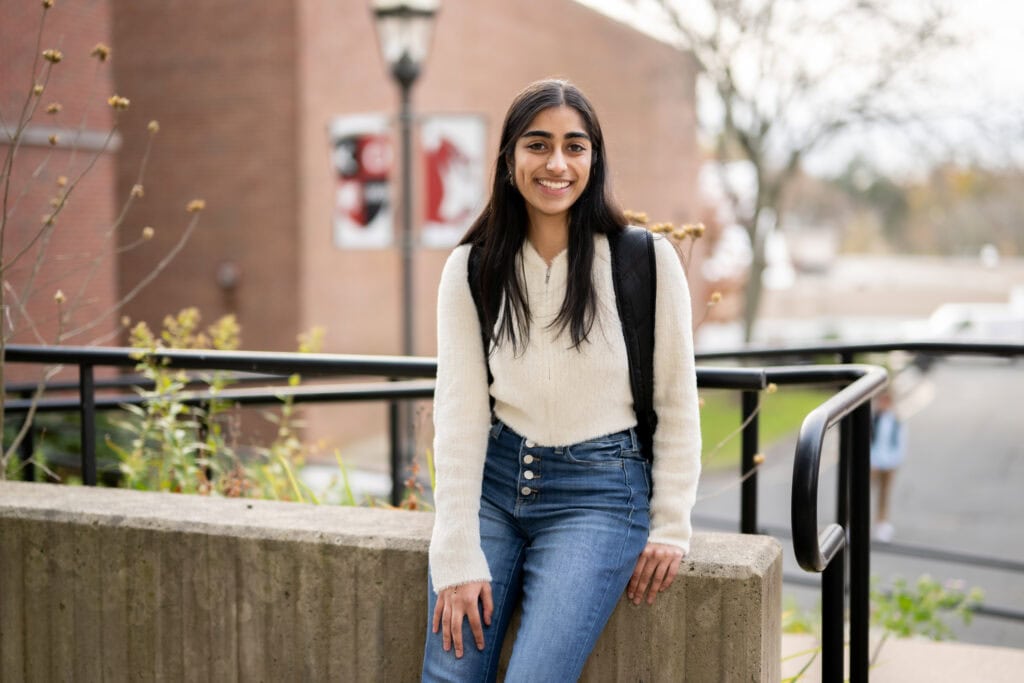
<point x="847" y="541"/>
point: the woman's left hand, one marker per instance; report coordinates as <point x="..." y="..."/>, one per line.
<point x="655" y="571"/>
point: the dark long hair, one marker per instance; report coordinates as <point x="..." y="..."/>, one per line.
<point x="499" y="231"/>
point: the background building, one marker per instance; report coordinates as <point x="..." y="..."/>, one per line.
<point x="246" y="97"/>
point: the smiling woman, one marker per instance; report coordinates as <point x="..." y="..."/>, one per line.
<point x="544" y="488"/>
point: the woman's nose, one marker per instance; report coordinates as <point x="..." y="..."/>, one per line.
<point x="556" y="162"/>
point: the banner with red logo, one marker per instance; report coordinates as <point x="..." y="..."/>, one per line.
<point x="453" y="182"/>
<point x="363" y="157"/>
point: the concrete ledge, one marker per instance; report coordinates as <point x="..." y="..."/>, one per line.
<point x="108" y="584"/>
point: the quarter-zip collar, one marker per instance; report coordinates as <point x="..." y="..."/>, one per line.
<point x="536" y="266"/>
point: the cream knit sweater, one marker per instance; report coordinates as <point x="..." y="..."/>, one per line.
<point x="557" y="396"/>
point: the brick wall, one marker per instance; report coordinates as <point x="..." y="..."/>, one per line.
<point x="220" y="77"/>
<point x="76" y="256"/>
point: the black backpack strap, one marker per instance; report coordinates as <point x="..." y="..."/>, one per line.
<point x="634" y="274"/>
<point x="473" y="276"/>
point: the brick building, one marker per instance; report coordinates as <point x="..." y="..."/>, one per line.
<point x="245" y="96"/>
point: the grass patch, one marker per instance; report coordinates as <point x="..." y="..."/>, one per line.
<point x="781" y="414"/>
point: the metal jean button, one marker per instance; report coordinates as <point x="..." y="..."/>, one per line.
<point x="526" y="490"/>
<point x="528" y="474"/>
<point x="527" y="458"/>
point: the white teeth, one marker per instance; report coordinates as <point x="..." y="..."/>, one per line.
<point x="554" y="185"/>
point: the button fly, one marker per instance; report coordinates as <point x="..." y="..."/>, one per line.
<point x="528" y="474"/>
<point x="526" y="490"/>
<point x="530" y="444"/>
<point x="528" y="458"/>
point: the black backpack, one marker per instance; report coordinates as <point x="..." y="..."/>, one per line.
<point x="634" y="275"/>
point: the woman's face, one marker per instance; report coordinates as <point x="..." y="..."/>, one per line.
<point x="552" y="162"/>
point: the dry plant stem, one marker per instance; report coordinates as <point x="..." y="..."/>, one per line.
<point x="98" y="261"/>
<point x="24" y="313"/>
<point x="34" y="403"/>
<point x="160" y="267"/>
<point x="731" y="485"/>
<point x="704" y="316"/>
<point x="721" y="444"/>
<point x="732" y="434"/>
<point x="29" y="417"/>
<point x="13" y="208"/>
<point x="27" y="111"/>
<point x="85" y="115"/>
<point x="878" y="649"/>
<point x="799" y="674"/>
<point x="44" y="235"/>
<point x="28" y="108"/>
<point x="60" y="207"/>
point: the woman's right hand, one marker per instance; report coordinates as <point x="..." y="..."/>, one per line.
<point x="457" y="602"/>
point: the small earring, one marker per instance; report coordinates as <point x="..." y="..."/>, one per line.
<point x="511" y="178"/>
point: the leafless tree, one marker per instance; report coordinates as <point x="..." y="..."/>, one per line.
<point x="782" y="79"/>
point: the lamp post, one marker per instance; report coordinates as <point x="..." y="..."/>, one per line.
<point x="404" y="29"/>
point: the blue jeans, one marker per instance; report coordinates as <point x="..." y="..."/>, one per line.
<point x="561" y="529"/>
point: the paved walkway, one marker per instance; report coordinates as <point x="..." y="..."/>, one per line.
<point x="911" y="660"/>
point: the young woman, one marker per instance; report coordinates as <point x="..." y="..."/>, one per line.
<point x="546" y="500"/>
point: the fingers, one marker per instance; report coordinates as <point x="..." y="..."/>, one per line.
<point x="446" y="627"/>
<point x="463" y="602"/>
<point x="488" y="601"/>
<point x="438" y="609"/>
<point x="476" y="628"/>
<point x="644" y="580"/>
<point x="673" y="570"/>
<point x="634" y="581"/>
<point x="456" y="626"/>
<point x="656" y="569"/>
<point x="657" y="580"/>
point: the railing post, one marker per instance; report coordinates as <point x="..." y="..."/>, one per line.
<point x="396" y="431"/>
<point x="748" y="472"/>
<point x="87" y="410"/>
<point x="833" y="619"/>
<point x="859" y="543"/>
<point x="843" y="486"/>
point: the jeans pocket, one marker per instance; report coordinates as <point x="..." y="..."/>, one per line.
<point x="597" y="453"/>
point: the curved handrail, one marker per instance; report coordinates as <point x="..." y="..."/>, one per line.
<point x="815" y="550"/>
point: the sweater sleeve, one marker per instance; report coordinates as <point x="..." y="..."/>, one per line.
<point x="677" y="440"/>
<point x="461" y="426"/>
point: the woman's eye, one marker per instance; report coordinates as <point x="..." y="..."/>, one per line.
<point x="577" y="149"/>
<point x="536" y="146"/>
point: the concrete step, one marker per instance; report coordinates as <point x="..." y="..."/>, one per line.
<point x="909" y="660"/>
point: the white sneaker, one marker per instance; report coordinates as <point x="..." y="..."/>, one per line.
<point x="884" y="532"/>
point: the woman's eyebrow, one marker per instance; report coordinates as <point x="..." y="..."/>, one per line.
<point x="546" y="134"/>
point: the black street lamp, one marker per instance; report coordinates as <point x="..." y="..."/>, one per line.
<point x="404" y="28"/>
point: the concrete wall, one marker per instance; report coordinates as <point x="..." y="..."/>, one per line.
<point x="100" y="584"/>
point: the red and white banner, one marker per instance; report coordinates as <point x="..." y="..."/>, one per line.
<point x="362" y="157"/>
<point x="454" y="178"/>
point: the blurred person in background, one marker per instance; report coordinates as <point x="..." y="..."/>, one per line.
<point x="888" y="449"/>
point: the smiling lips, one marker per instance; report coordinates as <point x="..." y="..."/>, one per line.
<point x="554" y="184"/>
